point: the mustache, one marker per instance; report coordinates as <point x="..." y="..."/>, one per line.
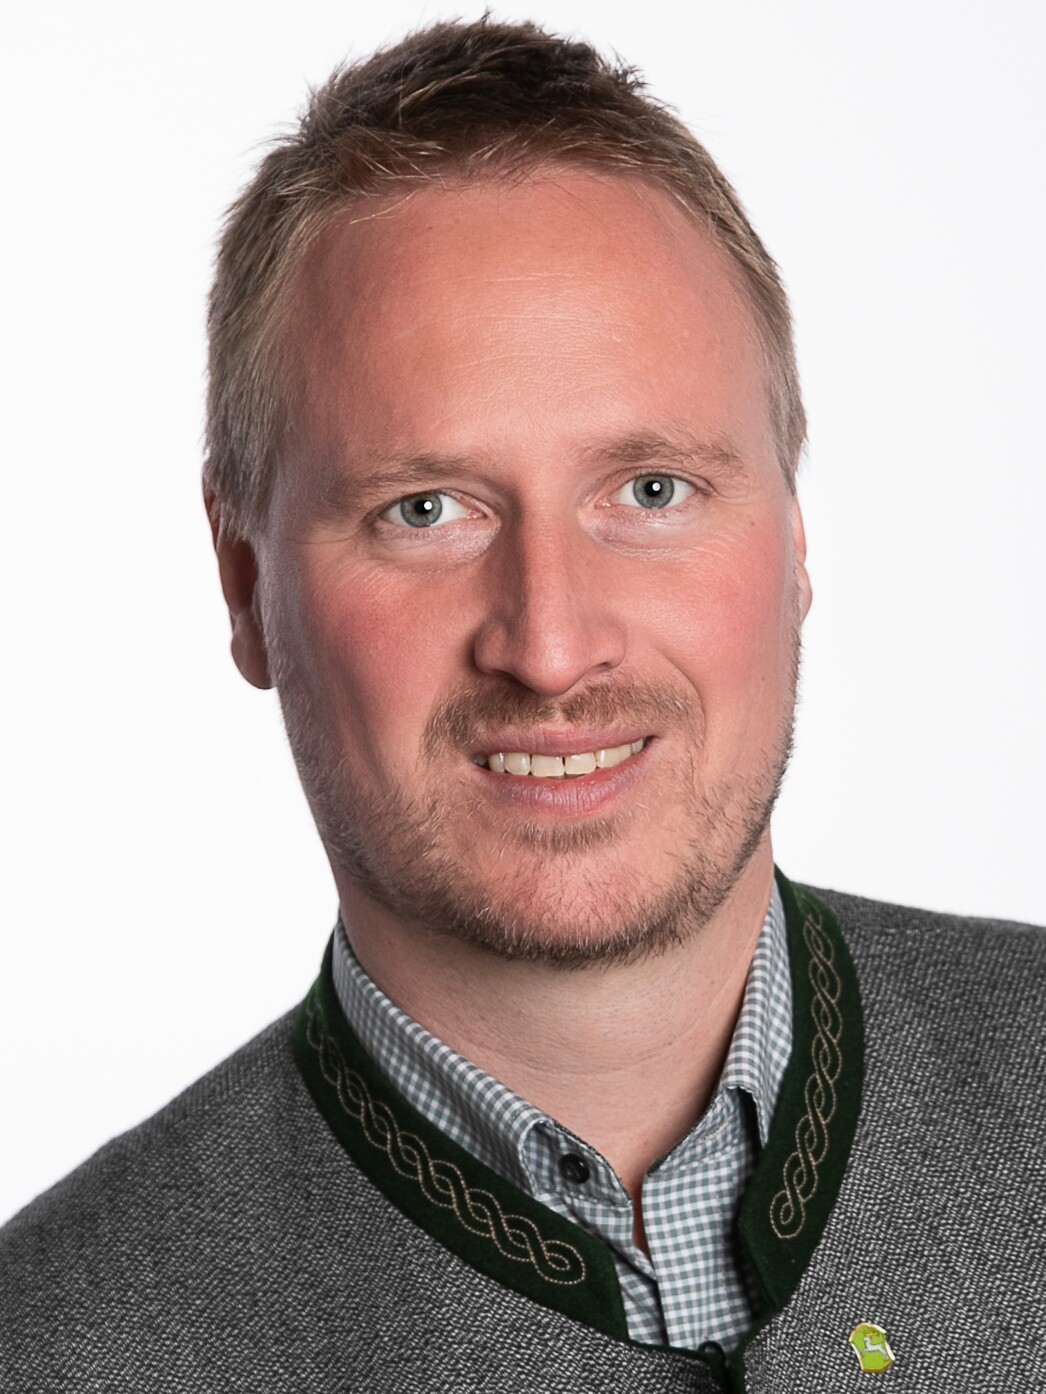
<point x="467" y="716"/>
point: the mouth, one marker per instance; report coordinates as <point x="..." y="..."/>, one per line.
<point x="521" y="764"/>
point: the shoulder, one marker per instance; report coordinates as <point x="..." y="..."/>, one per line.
<point x="952" y="996"/>
<point x="936" y="1225"/>
<point x="901" y="940"/>
<point x="231" y="1243"/>
<point x="155" y="1231"/>
<point x="863" y="917"/>
<point x="174" y="1146"/>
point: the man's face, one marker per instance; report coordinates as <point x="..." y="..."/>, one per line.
<point x="531" y="507"/>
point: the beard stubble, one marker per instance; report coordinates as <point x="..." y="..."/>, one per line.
<point x="396" y="848"/>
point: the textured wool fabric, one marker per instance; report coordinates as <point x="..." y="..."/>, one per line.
<point x="939" y="1231"/>
<point x="230" y="1243"/>
<point x="692" y="1287"/>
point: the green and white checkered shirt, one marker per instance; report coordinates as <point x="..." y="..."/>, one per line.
<point x="692" y="1286"/>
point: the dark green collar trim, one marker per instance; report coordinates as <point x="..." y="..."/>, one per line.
<point x="502" y="1232"/>
<point x="795" y="1186"/>
<point x="485" y="1220"/>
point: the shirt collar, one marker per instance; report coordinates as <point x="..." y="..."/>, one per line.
<point x="762" y="1041"/>
<point x="470" y="1106"/>
<point x="491" y="1121"/>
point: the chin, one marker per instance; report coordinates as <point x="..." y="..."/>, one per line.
<point x="570" y="897"/>
<point x="579" y="930"/>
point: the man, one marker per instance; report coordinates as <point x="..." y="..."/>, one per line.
<point x="504" y="425"/>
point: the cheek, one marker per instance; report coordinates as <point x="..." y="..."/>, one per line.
<point x="373" y="660"/>
<point x="731" y="625"/>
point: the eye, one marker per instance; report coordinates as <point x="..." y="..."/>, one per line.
<point x="654" y="491"/>
<point x="425" y="510"/>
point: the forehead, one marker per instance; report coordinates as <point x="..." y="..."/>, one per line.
<point x="565" y="302"/>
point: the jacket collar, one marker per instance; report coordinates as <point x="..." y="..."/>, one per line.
<point x="502" y="1232"/>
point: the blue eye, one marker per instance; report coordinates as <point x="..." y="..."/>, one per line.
<point x="425" y="510"/>
<point x="654" y="491"/>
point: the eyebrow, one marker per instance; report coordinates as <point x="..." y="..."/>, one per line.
<point x="680" y="448"/>
<point x="339" y="487"/>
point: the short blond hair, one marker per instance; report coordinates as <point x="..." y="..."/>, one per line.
<point x="478" y="100"/>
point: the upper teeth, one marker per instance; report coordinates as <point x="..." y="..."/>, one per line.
<point x="556" y="766"/>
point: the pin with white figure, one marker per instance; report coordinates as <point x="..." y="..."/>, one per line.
<point x="871" y="1348"/>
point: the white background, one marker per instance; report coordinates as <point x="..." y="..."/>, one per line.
<point x="163" y="892"/>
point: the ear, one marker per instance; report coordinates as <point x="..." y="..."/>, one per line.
<point x="806" y="592"/>
<point x="238" y="569"/>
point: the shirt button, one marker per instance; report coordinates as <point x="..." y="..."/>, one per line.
<point x="574" y="1168"/>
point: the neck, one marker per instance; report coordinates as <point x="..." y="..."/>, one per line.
<point x="583" y="1045"/>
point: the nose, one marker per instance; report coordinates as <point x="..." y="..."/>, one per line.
<point x="550" y="620"/>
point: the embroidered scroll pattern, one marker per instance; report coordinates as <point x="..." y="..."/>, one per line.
<point x="441" y="1182"/>
<point x="812" y="1135"/>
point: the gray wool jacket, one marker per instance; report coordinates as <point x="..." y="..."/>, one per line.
<point x="290" y="1224"/>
